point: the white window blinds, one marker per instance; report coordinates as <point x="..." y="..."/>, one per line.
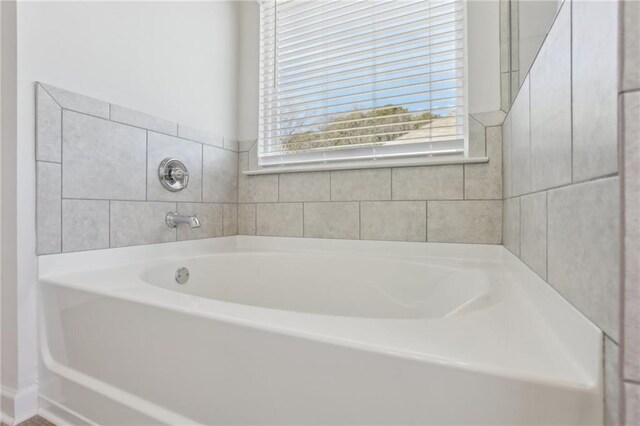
<point x="361" y="80"/>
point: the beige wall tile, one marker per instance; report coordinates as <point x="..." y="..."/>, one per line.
<point x="197" y="135"/>
<point x="229" y="219"/>
<point x="231" y="144"/>
<point x="520" y="142"/>
<point x="630" y="42"/>
<point x="246" y="219"/>
<point x="279" y="219"/>
<point x="507" y="188"/>
<point x="393" y="221"/>
<point x="550" y="92"/>
<point x="477" y="138"/>
<point x="253" y="157"/>
<point x="428" y="183"/>
<point x="85" y="225"/>
<point x="210" y="217"/>
<point x="255" y="189"/>
<point x="611" y="384"/>
<point x="78" y="103"/>
<point x="505" y="93"/>
<point x="365" y="184"/>
<point x="220" y="175"/>
<point x="533" y="232"/>
<point x="48" y="208"/>
<point x="515" y="83"/>
<point x="48" y="127"/>
<point x="314" y="186"/>
<point x="595" y="88"/>
<point x="95" y="147"/>
<point x="484" y="181"/>
<point x="630" y="135"/>
<point x="632" y="404"/>
<point x="138" y="222"/>
<point x="140" y="119"/>
<point x="583" y="246"/>
<point x="511" y="225"/>
<point x="478" y="222"/>
<point x="332" y="220"/>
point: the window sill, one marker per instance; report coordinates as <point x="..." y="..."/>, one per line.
<point x="366" y="165"/>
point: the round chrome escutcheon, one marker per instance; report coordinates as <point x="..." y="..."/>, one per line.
<point x="173" y="174"/>
<point x="182" y="275"/>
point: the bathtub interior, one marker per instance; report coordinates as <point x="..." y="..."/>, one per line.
<point x="138" y="344"/>
<point x="346" y="285"/>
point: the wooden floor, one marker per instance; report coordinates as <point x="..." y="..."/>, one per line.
<point x="35" y="421"/>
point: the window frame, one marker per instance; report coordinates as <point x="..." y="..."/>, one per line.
<point x="354" y="156"/>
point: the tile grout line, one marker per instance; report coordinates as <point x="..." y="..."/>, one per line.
<point x="530" y="141"/>
<point x="146" y="175"/>
<point x="567" y="185"/>
<point x="48" y="161"/>
<point x="464" y="180"/>
<point x="109" y="223"/>
<point x="359" y="220"/>
<point x="520" y="227"/>
<point x="61" y="179"/>
<point x="202" y="173"/>
<point x="625" y="92"/>
<point x="308" y="201"/>
<point x="146" y="128"/>
<point x="571" y="88"/>
<point x="426" y="221"/>
<point x="546" y="201"/>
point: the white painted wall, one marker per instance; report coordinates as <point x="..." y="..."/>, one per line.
<point x="10" y="344"/>
<point x="176" y="60"/>
<point x="535" y="18"/>
<point x="249" y="64"/>
<point x="483" y="47"/>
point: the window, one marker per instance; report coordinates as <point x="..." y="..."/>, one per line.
<point x="345" y="80"/>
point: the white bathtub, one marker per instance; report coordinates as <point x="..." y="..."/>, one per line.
<point x="299" y="331"/>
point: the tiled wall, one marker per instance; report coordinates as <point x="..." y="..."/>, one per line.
<point x="561" y="185"/>
<point x="446" y="203"/>
<point x="629" y="101"/>
<point x="97" y="184"/>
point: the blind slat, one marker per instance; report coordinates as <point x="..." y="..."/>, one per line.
<point x="365" y="47"/>
<point x="456" y="103"/>
<point x="366" y="38"/>
<point x="380" y="70"/>
<point x="366" y="14"/>
<point x="373" y="130"/>
<point x="402" y="90"/>
<point x="450" y="112"/>
<point x="415" y="53"/>
<point x="383" y="101"/>
<point x="438" y="77"/>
